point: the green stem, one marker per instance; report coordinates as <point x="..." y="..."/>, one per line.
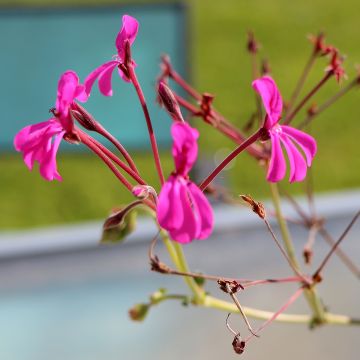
<point x="310" y="294"/>
<point x="178" y="258"/>
<point x="170" y="248"/>
<point x="211" y="302"/>
<point x="198" y="292"/>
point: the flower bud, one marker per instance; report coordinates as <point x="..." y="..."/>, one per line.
<point x="170" y="103"/>
<point x="139" y="311"/>
<point x="84" y="118"/>
<point x="143" y="191"/>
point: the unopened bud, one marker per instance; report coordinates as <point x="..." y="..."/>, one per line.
<point x="252" y="44"/>
<point x="139" y="311"/>
<point x="143" y="191"/>
<point x="170" y="103"/>
<point x="265" y="67"/>
<point x="84" y="118"/>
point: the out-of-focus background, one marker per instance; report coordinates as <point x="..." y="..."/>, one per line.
<point x="61" y="296"/>
<point x="213" y="57"/>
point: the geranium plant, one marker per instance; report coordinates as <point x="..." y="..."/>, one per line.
<point x="181" y="207"/>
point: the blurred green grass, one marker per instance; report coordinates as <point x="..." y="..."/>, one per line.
<point x="220" y="65"/>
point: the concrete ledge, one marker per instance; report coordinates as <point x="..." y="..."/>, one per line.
<point x="86" y="235"/>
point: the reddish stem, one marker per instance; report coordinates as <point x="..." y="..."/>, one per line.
<point x="333" y="249"/>
<point x="312" y="92"/>
<point x="85" y="139"/>
<point x="228" y="159"/>
<point x="141" y="97"/>
<point x="102" y="131"/>
<point x="225" y="128"/>
<point x="115" y="159"/>
<point x="276" y="314"/>
<point x="180" y="81"/>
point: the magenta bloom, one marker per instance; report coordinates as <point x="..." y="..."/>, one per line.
<point x="104" y="72"/>
<point x="182" y="208"/>
<point x="292" y="139"/>
<point x="40" y="142"/>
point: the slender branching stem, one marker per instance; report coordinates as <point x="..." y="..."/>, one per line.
<point x="85" y="139"/>
<point x="310" y="293"/>
<point x="299" y="86"/>
<point x="153" y="142"/>
<point x="328" y="103"/>
<point x="341" y="238"/>
<point x="102" y="131"/>
<point x="307" y="97"/>
<point x="228" y="159"/>
<point x="117" y="161"/>
<point x="290" y="301"/>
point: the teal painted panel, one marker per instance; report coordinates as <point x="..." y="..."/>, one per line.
<point x="38" y="45"/>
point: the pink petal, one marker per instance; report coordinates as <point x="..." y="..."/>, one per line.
<point x="128" y="31"/>
<point x="91" y="78"/>
<point x="306" y="142"/>
<point x="48" y="166"/>
<point x="296" y="160"/>
<point x="35" y="142"/>
<point x="80" y="93"/>
<point x="105" y="81"/>
<point x="190" y="227"/>
<point x="271" y="98"/>
<point x="68" y="90"/>
<point x="204" y="211"/>
<point x="169" y="209"/>
<point x="185" y="148"/>
<point x="277" y="166"/>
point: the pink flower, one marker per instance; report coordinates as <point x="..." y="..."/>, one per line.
<point x="292" y="139"/>
<point x="182" y="208"/>
<point x="104" y="72"/>
<point x="40" y="142"/>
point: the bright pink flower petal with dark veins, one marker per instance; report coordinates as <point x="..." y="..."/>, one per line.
<point x="271" y="97"/>
<point x="277" y="166"/>
<point x="185" y="147"/>
<point x="204" y="213"/>
<point x="296" y="160"/>
<point x="306" y="142"/>
<point x="128" y="31"/>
